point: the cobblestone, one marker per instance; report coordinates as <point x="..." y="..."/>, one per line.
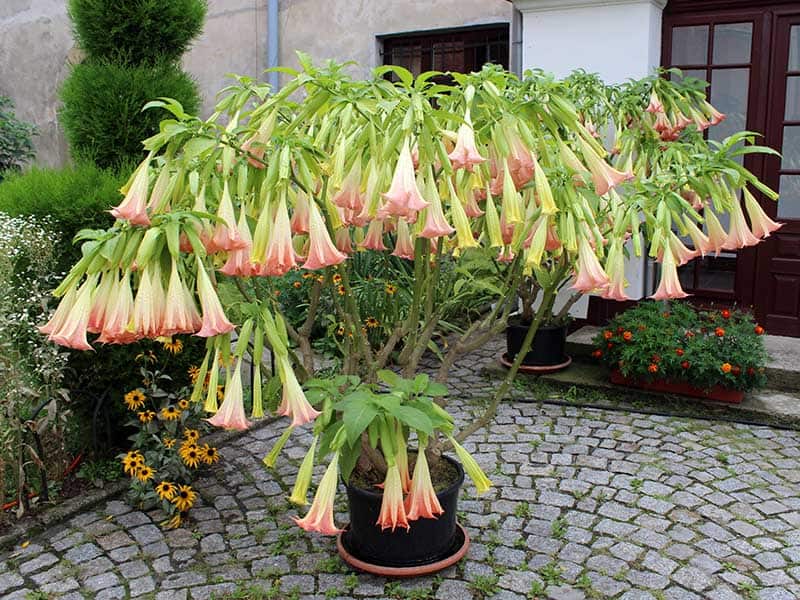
<point x="588" y="503"/>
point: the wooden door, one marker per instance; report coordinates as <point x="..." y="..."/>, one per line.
<point x="778" y="259"/>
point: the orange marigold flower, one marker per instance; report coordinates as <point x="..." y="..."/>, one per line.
<point x="653" y="368"/>
<point x="679" y="351"/>
<point x="608" y="334"/>
<point x="609" y="345"/>
<point x="726" y="367"/>
<point x="685" y="364"/>
<point x="597" y="353"/>
<point x="759" y="330"/>
<point x="627" y="336"/>
<point x="726" y="314"/>
<point x="719" y="332"/>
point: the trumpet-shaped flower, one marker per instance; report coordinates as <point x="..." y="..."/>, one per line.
<point x="520" y="163"/>
<point x="670" y="285"/>
<point x="680" y="251"/>
<point x="493" y="224"/>
<point x="101" y="302"/>
<point x="226" y="235"/>
<point x="230" y="414"/>
<point x="604" y="175"/>
<point x="238" y="263"/>
<point x="133" y="207"/>
<point x="118" y="322"/>
<point x="343" y="241"/>
<point x="543" y="191"/>
<point x="762" y="225"/>
<point x="293" y="401"/>
<point x="615" y="290"/>
<point x="150" y="303"/>
<point x="319" y="517"/>
<point x="716" y="233"/>
<point x="436" y="224"/>
<point x="404" y="245"/>
<point x="299" y="222"/>
<point x="214" y="320"/>
<point x="739" y="235"/>
<point x="67" y="327"/>
<point x="590" y="273"/>
<point x="465" y="155"/>
<point x="393" y="512"/>
<point x="715" y="117"/>
<point x="506" y="255"/>
<point x="403" y="198"/>
<point x="281" y="256"/>
<point x="536" y="241"/>
<point x="181" y="314"/>
<point x="374" y="237"/>
<point x="482" y="483"/>
<point x="321" y="252"/>
<point x="700" y="240"/>
<point x="349" y="197"/>
<point x="655" y="105"/>
<point x="422" y="502"/>
<point x="303" y="481"/>
<point x="464" y="237"/>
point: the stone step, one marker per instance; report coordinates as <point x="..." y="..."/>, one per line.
<point x="783" y="366"/>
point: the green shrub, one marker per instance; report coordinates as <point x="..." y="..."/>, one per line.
<point x="73" y="198"/>
<point x="16" y="146"/>
<point x="102" y="114"/>
<point x="136" y="31"/>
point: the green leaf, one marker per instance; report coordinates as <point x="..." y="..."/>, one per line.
<point x="413" y="418"/>
<point x="197" y="146"/>
<point x="358" y="413"/>
<point x="348" y="457"/>
<point x="390" y="378"/>
<point x="436" y="389"/>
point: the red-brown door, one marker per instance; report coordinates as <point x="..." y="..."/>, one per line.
<point x="778" y="259"/>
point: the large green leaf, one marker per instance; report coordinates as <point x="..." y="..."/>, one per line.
<point x="359" y="411"/>
<point x="413" y="418"/>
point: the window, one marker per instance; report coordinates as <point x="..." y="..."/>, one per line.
<point x="459" y="50"/>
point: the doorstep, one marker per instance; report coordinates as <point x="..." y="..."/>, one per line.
<point x="783" y="366"/>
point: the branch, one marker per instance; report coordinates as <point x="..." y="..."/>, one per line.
<point x="568" y="304"/>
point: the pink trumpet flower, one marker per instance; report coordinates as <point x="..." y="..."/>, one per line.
<point x="714" y="116"/>
<point x="552" y="242"/>
<point x="299" y="222"/>
<point x="422" y="501"/>
<point x="374" y="237"/>
<point x="343" y="241"/>
<point x="670" y="285"/>
<point x="680" y="251"/>
<point x="404" y="245"/>
<point x="604" y="175"/>
<point x="403" y="198"/>
<point x="214" y="320"/>
<point x="655" y="105"/>
<point x="150" y="304"/>
<point x="238" y="263"/>
<point x="662" y="123"/>
<point x="281" y="256"/>
<point x="506" y="255"/>
<point x="436" y="224"/>
<point x="700" y="240"/>
<point x="133" y="207"/>
<point x="393" y="512"/>
<point x="67" y="327"/>
<point x="118" y="324"/>
<point x="101" y="302"/>
<point x="319" y="517"/>
<point x="520" y="163"/>
<point x="465" y="155"/>
<point x="615" y="290"/>
<point x="739" y="235"/>
<point x="294" y="403"/>
<point x="762" y="225"/>
<point x="321" y="252"/>
<point x="230" y="414"/>
<point x="590" y="274"/>
<point x="226" y="236"/>
<point x="181" y="314"/>
<point x="716" y="234"/>
<point x="349" y="197"/>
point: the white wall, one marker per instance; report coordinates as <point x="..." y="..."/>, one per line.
<point x="617" y="39"/>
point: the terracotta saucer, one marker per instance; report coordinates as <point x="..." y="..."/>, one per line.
<point x="460" y="547"/>
<point x="536" y="370"/>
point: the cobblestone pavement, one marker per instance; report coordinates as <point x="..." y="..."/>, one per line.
<point x="587" y="504"/>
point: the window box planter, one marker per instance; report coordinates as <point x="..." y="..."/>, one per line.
<point x="717" y="392"/>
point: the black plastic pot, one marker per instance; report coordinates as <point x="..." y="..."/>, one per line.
<point x="427" y="541"/>
<point x="548" y="344"/>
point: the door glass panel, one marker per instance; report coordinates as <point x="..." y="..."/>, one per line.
<point x="729" y="95"/>
<point x="690" y="45"/>
<point x="793" y="98"/>
<point x="717" y="272"/>
<point x="789" y="202"/>
<point x="732" y="43"/>
<point x="794" y="49"/>
<point x="791" y="148"/>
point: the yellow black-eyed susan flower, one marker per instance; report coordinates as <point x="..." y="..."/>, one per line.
<point x="191" y="434"/>
<point x="390" y="289"/>
<point x="145" y="473"/>
<point x="340" y="330"/>
<point x="190" y="456"/>
<point x="209" y="454"/>
<point x="173" y="346"/>
<point x="131" y="461"/>
<point x="307" y="275"/>
<point x="297" y="285"/>
<point x="146" y="416"/>
<point x="168" y="442"/>
<point x="174" y="522"/>
<point x="194" y="373"/>
<point x="185" y="498"/>
<point x="166" y="490"/>
<point x="371" y="322"/>
<point x="340" y="290"/>
<point x="183" y="404"/>
<point x="337" y="279"/>
<point x="134" y="399"/>
<point x="170" y="413"/>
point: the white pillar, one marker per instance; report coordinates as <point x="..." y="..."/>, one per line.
<point x="617" y="39"/>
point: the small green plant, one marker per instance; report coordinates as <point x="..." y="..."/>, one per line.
<point x="484" y="585"/>
<point x="558" y="528"/>
<point x="99" y="472"/>
<point x="551" y="573"/>
<point x="522" y="510"/>
<point x="538" y="590"/>
<point x="636" y="484"/>
<point x="16" y="145"/>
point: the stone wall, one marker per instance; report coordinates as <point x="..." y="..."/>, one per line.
<point x="36" y="45"/>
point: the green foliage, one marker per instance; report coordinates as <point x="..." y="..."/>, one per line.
<point x="16" y="146"/>
<point x="679" y="342"/>
<point x="102" y="113"/>
<point x="99" y="472"/>
<point x="73" y="198"/>
<point x="137" y="31"/>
